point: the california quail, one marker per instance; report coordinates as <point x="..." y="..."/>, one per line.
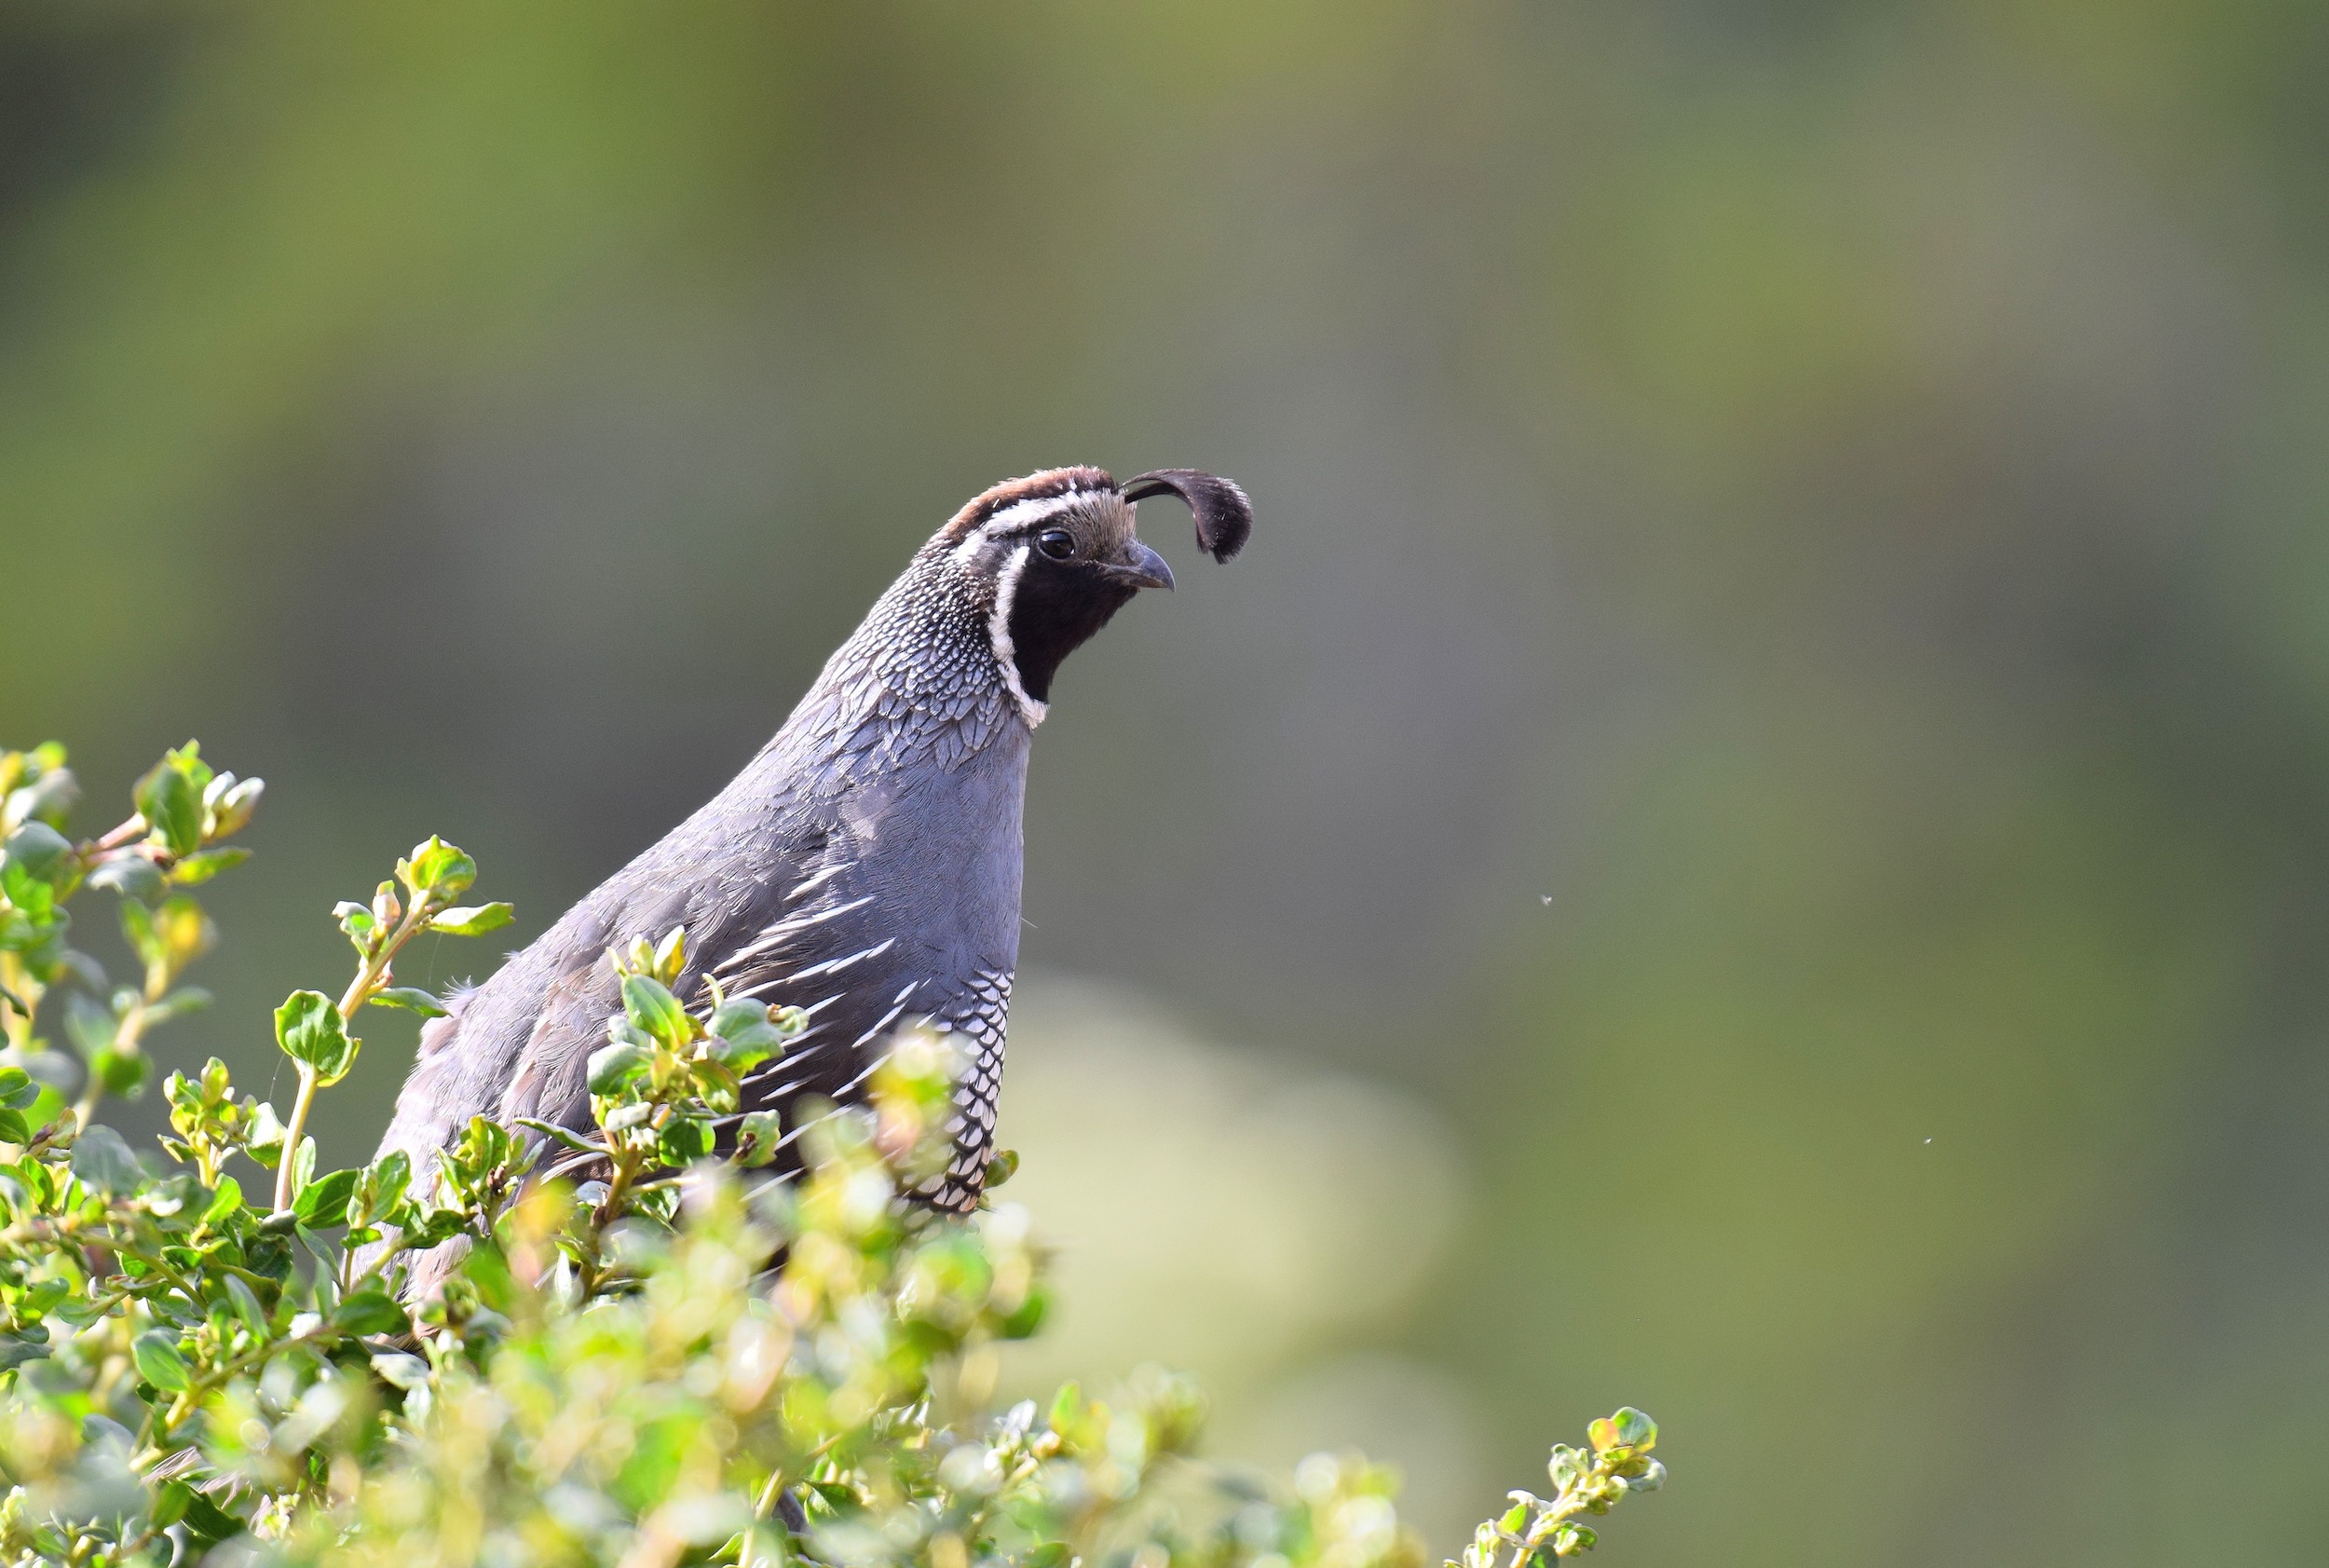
<point x="865" y="866"/>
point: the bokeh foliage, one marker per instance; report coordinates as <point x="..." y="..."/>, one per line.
<point x="636" y="1351"/>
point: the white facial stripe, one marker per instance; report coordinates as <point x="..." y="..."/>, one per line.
<point x="1019" y="516"/>
<point x="998" y="632"/>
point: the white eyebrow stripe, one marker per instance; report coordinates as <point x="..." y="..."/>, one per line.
<point x="1023" y="514"/>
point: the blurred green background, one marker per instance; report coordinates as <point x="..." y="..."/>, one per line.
<point x="1747" y="838"/>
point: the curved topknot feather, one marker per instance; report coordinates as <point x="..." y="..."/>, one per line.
<point x="1224" y="515"/>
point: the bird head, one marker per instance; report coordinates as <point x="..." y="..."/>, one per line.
<point x="1058" y="551"/>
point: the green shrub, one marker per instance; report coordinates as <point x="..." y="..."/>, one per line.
<point x="643" y="1356"/>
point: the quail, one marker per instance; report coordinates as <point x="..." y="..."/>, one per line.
<point x="865" y="866"/>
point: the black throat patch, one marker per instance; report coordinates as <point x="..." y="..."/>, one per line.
<point x="1057" y="608"/>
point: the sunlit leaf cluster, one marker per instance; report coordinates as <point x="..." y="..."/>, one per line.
<point x="652" y="1343"/>
<point x="173" y="839"/>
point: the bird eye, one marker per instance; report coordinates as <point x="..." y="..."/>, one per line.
<point x="1058" y="543"/>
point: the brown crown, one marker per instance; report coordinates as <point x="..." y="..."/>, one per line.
<point x="1034" y="487"/>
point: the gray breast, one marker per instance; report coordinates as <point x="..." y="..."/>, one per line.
<point x="899" y="904"/>
<point x="864" y="868"/>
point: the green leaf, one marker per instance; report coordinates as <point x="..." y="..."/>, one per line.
<point x="201" y="865"/>
<point x="746" y="1034"/>
<point x="187" y="760"/>
<point x="137" y="928"/>
<point x="17" y="1088"/>
<point x="186" y="931"/>
<point x="264" y="1141"/>
<point x="684" y="1140"/>
<point x="91" y="1024"/>
<point x="740" y="1057"/>
<point x="310" y="1030"/>
<point x="358" y="922"/>
<point x="435" y="1228"/>
<point x="104" y="1161"/>
<point x="231" y="804"/>
<point x="130" y="874"/>
<point x="410" y="997"/>
<point x="620" y="1030"/>
<point x="41" y="853"/>
<point x="123" y="1073"/>
<point x="654" y="1009"/>
<point x="55" y="1069"/>
<point x="400" y="1370"/>
<point x="624" y="1117"/>
<point x="437" y="868"/>
<point x="51" y="790"/>
<point x="207" y="1524"/>
<point x="247" y="1303"/>
<point x="170" y="800"/>
<point x="613" y="1066"/>
<point x="1627" y="1429"/>
<point x="177" y="1005"/>
<point x="35" y="899"/>
<point x="170" y="1504"/>
<point x="381" y="1186"/>
<point x="1022" y="1322"/>
<point x="564" y="1136"/>
<point x="159" y="1363"/>
<point x="323" y="1202"/>
<point x="474" y="922"/>
<point x="13" y="1126"/>
<point x="225" y="1202"/>
<point x="741" y="1020"/>
<point x="757" y="1137"/>
<point x="369" y="1312"/>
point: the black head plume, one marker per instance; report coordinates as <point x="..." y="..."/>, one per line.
<point x="1224" y="516"/>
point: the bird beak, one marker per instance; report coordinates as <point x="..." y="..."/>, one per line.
<point x="1141" y="566"/>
